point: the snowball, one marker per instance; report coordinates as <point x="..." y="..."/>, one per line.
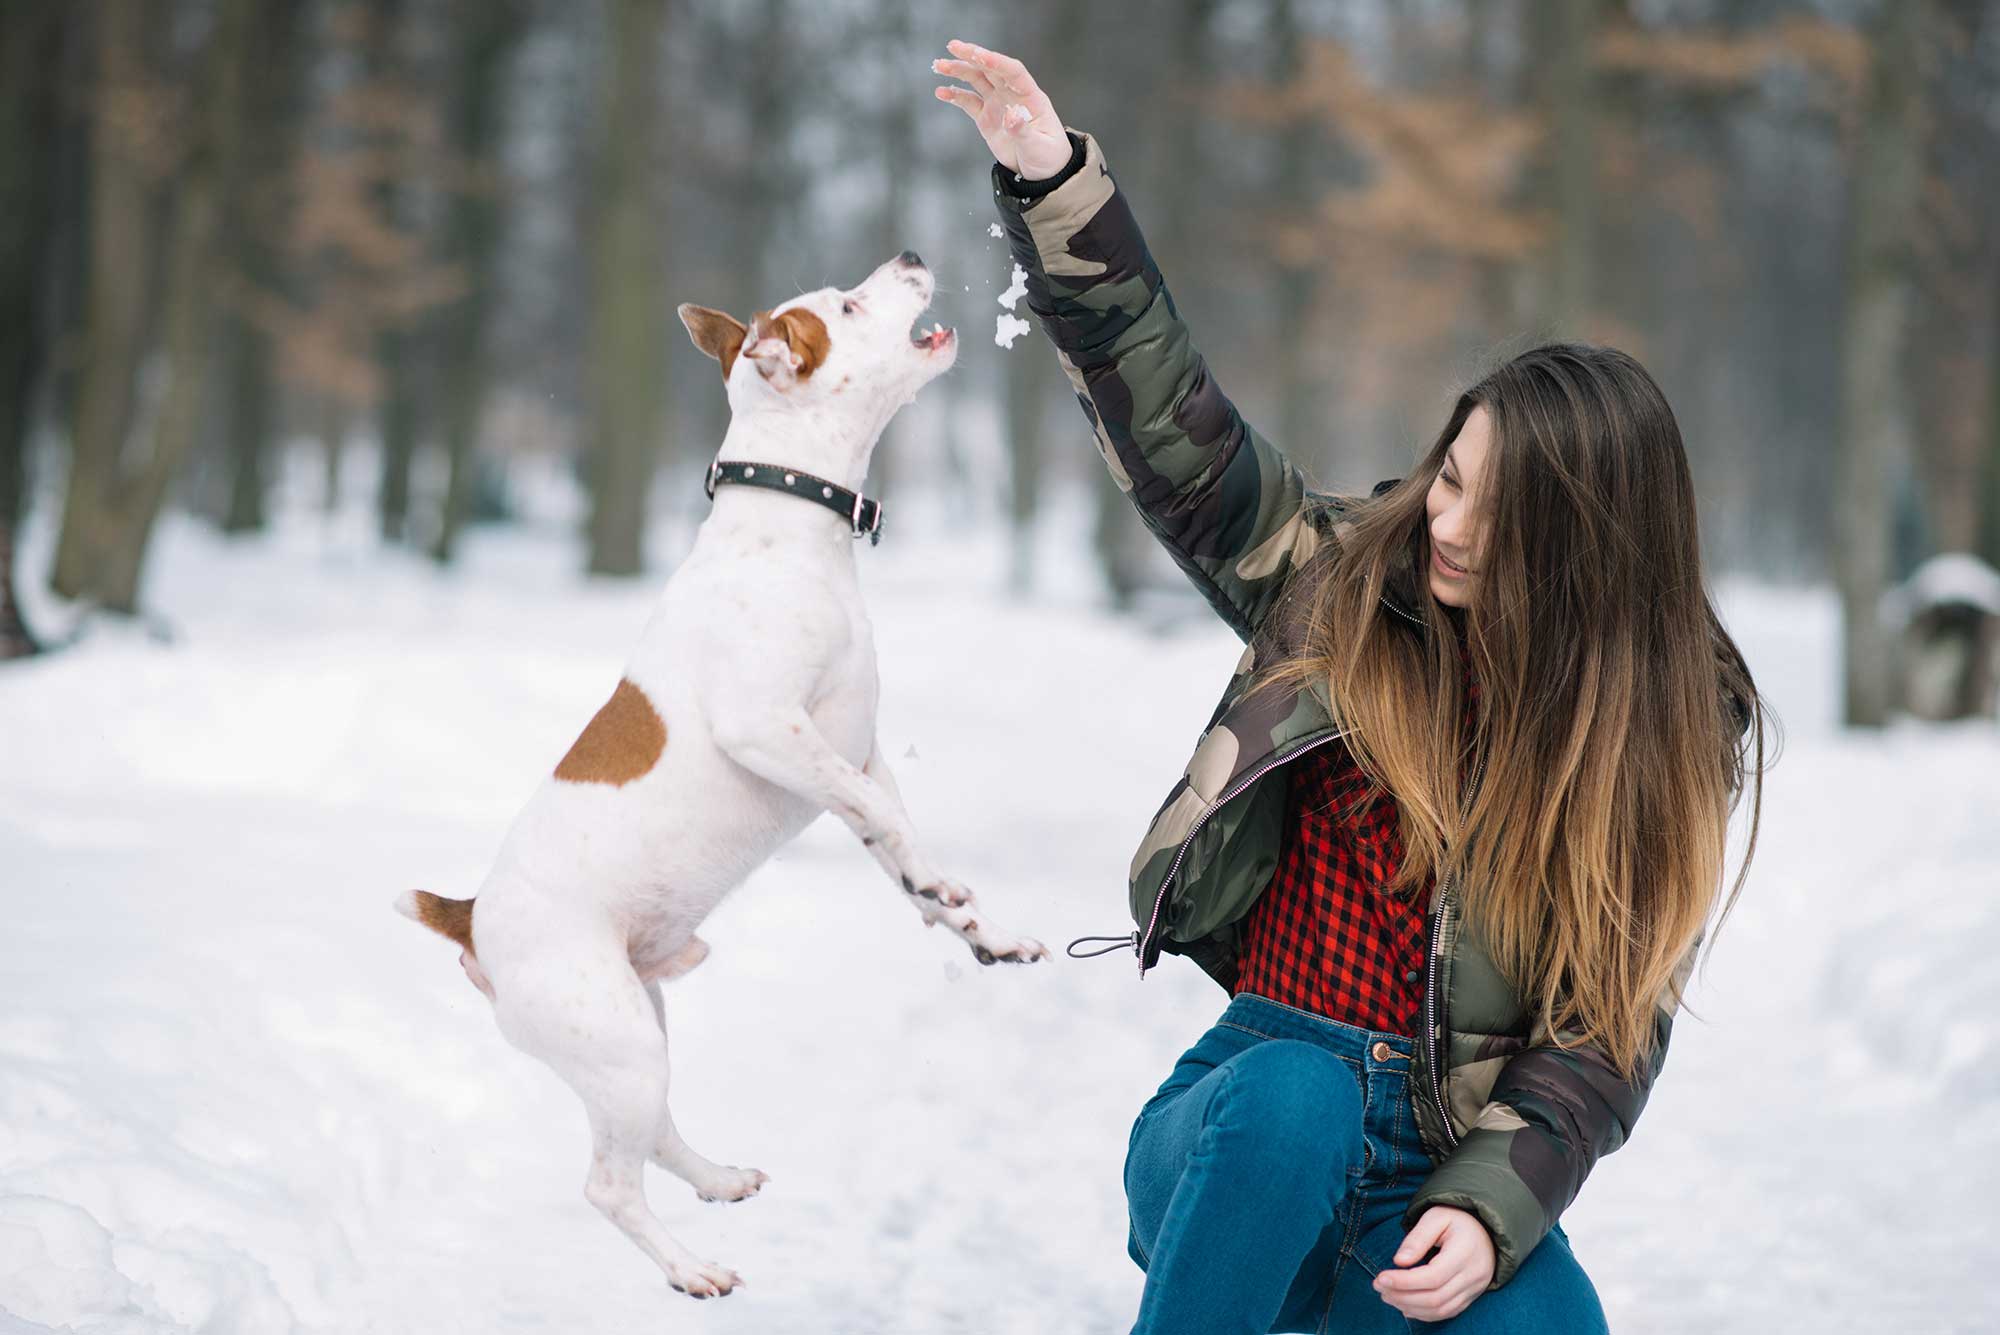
<point x="1007" y="328"/>
<point x="1018" y="290"/>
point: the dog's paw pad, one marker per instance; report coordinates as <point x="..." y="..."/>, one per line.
<point x="945" y="893"/>
<point x="710" y="1281"/>
<point x="739" y="1184"/>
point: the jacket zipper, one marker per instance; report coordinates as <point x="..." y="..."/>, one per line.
<point x="1140" y="940"/>
<point x="1160" y="899"/>
<point x="1430" y="984"/>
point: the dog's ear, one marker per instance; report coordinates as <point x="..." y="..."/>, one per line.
<point x="718" y="335"/>
<point x="787" y="347"/>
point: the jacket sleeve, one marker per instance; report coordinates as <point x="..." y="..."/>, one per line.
<point x="1227" y="505"/>
<point x="1553" y="1112"/>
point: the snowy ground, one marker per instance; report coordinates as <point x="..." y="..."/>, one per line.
<point x="238" y="1094"/>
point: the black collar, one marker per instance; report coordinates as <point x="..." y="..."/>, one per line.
<point x="862" y="515"/>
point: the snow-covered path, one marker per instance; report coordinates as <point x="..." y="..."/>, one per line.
<point x="238" y="1094"/>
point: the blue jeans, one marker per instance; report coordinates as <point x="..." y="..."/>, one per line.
<point x="1267" y="1179"/>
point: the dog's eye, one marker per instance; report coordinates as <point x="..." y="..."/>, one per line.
<point x="847" y="308"/>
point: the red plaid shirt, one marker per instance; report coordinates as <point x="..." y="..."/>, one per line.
<point x="1323" y="936"/>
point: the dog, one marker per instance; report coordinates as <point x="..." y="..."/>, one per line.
<point x="747" y="709"/>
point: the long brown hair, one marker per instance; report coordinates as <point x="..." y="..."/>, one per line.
<point x="1616" y="717"/>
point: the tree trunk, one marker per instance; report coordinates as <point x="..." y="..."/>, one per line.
<point x="490" y="31"/>
<point x="1989" y="490"/>
<point x="1030" y="376"/>
<point x="1301" y="397"/>
<point x="1884" y="183"/>
<point x="119" y="278"/>
<point x="251" y="393"/>
<point x="189" y="310"/>
<point x="395" y="349"/>
<point x="29" y="110"/>
<point x="277" y="70"/>
<point x="626" y="320"/>
<point x="1575" y="111"/>
<point x="1176" y="37"/>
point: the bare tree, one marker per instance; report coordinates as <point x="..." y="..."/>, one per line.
<point x="488" y="31"/>
<point x="29" y="63"/>
<point x="627" y="323"/>
<point x="1883" y="195"/>
<point x="144" y="131"/>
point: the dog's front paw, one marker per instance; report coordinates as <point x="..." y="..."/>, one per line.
<point x="731" y="1184"/>
<point x="703" y="1279"/>
<point x="948" y="893"/>
<point x="1024" y="951"/>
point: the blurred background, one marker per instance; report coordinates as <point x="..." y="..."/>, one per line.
<point x="347" y="434"/>
<point x="420" y="257"/>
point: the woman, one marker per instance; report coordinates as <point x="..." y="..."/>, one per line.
<point x="1454" y="833"/>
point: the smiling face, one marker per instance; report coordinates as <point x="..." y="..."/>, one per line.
<point x="1454" y="511"/>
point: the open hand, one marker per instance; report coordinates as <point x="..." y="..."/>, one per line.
<point x="1445" y="1285"/>
<point x="1012" y="112"/>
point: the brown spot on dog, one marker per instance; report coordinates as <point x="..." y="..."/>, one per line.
<point x="622" y="743"/>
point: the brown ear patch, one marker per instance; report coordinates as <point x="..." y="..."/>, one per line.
<point x="623" y="741"/>
<point x="803" y="332"/>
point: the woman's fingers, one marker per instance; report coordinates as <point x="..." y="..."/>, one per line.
<point x="1005" y="77"/>
<point x="1003" y="70"/>
<point x="966" y="70"/>
<point x="1012" y="113"/>
<point x="1434" y="1304"/>
<point x="964" y="99"/>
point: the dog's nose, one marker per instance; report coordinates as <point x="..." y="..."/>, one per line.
<point x="911" y="259"/>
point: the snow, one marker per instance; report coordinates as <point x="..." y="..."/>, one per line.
<point x="1017" y="287"/>
<point x="1949" y="577"/>
<point x="239" y="1094"/>
<point x="1007" y="328"/>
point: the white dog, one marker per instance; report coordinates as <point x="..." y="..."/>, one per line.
<point x="747" y="709"/>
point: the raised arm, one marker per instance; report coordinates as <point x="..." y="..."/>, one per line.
<point x="1228" y="505"/>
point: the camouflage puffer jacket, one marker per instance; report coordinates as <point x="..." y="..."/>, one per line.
<point x="1512" y="1121"/>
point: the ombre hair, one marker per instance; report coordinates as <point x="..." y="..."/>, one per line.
<point x="1617" y="719"/>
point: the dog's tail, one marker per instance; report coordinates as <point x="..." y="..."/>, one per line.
<point x="447" y="917"/>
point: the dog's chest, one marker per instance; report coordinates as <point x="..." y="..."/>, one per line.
<point x="772" y="624"/>
<point x="844" y="709"/>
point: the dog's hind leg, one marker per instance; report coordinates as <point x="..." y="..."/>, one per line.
<point x="711" y="1181"/>
<point x="606" y="1046"/>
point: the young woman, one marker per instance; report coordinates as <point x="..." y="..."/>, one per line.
<point x="1453" y="835"/>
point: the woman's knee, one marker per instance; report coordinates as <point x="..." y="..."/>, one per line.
<point x="1289" y="1100"/>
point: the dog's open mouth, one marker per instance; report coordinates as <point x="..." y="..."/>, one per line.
<point x="935" y="338"/>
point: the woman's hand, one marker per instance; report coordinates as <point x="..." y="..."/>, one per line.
<point x="1445" y="1285"/>
<point x="1012" y="112"/>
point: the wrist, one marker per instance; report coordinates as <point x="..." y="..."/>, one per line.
<point x="1027" y="187"/>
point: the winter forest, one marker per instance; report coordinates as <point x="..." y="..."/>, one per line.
<point x="348" y="434"/>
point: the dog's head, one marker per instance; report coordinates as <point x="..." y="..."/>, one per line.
<point x="833" y="345"/>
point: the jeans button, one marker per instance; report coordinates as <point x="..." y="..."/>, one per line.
<point x="1382" y="1051"/>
